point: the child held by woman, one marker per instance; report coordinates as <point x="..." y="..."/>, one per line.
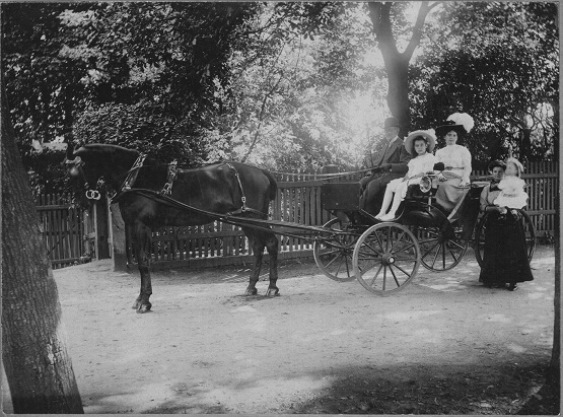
<point x="512" y="195"/>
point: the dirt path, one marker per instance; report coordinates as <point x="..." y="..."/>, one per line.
<point x="443" y="345"/>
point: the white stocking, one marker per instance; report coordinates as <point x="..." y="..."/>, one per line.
<point x="386" y="200"/>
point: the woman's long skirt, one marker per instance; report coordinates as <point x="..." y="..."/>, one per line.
<point x="505" y="259"/>
<point x="449" y="192"/>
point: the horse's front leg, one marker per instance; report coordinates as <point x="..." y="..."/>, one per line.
<point x="141" y="238"/>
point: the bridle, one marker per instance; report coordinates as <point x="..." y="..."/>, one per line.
<point x="91" y="194"/>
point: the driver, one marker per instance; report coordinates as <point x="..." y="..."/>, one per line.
<point x="387" y="164"/>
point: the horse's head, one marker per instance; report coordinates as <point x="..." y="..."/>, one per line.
<point x="99" y="166"/>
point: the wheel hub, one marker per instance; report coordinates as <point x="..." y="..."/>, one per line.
<point x="388" y="259"/>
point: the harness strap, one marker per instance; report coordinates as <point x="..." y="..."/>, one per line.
<point x="244" y="208"/>
<point x="133" y="172"/>
<point x="172" y="172"/>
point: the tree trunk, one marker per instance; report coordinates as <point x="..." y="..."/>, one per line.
<point x="397" y="63"/>
<point x="38" y="367"/>
<point x="398" y="93"/>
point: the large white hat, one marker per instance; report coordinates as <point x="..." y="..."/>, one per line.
<point x="428" y="135"/>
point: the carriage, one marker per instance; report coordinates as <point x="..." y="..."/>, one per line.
<point x="385" y="256"/>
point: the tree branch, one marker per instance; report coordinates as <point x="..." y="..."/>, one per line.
<point x="417" y="29"/>
<point x="262" y="111"/>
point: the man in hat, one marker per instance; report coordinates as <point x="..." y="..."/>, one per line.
<point x="387" y="164"/>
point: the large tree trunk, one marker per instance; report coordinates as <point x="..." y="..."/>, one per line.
<point x="397" y="63"/>
<point x="38" y="367"/>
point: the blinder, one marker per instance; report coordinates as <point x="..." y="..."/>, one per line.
<point x="77" y="171"/>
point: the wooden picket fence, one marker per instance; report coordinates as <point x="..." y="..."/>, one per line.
<point x="299" y="201"/>
<point x="62" y="228"/>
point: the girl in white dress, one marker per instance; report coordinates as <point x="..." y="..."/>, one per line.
<point x="420" y="144"/>
<point x="454" y="179"/>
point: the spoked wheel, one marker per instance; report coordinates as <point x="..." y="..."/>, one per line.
<point x="441" y="247"/>
<point x="529" y="233"/>
<point x="386" y="258"/>
<point x="334" y="257"/>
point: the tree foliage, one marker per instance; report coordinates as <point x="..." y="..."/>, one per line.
<point x="500" y="60"/>
<point x="286" y="85"/>
<point x="297" y="106"/>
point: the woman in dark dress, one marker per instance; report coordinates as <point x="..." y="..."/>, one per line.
<point x="505" y="259"/>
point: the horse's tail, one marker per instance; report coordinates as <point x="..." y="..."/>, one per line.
<point x="273" y="184"/>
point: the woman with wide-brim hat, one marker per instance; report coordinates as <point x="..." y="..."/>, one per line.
<point x="454" y="180"/>
<point x="420" y="145"/>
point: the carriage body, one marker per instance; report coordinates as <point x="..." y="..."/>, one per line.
<point x="385" y="256"/>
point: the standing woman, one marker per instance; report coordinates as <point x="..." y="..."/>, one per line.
<point x="453" y="181"/>
<point x="505" y="258"/>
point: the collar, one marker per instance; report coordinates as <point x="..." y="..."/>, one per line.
<point x="494" y="185"/>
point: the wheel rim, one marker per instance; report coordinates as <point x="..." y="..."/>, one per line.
<point x="530" y="234"/>
<point x="438" y="252"/>
<point x="334" y="257"/>
<point x="386" y="258"/>
<point x="480" y="241"/>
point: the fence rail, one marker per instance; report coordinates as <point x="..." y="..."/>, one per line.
<point x="299" y="201"/>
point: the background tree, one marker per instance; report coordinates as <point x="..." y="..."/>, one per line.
<point x="37" y="364"/>
<point x="249" y="80"/>
<point x="397" y="62"/>
<point x="486" y="53"/>
<point x="302" y="90"/>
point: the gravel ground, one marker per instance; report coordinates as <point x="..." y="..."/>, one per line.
<point x="443" y="345"/>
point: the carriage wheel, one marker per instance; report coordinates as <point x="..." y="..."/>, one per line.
<point x="529" y="233"/>
<point x="441" y="247"/>
<point x="334" y="257"/>
<point x="386" y="258"/>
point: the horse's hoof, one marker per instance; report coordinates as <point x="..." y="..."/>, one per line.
<point x="136" y="305"/>
<point x="144" y="308"/>
<point x="251" y="291"/>
<point x="273" y="292"/>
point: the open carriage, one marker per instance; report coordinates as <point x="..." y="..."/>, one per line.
<point x="385" y="256"/>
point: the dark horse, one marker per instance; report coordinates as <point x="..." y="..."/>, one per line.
<point x="220" y="188"/>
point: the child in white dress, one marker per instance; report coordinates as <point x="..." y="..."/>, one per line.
<point x="512" y="195"/>
<point x="420" y="144"/>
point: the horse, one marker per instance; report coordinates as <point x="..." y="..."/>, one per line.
<point x="224" y="187"/>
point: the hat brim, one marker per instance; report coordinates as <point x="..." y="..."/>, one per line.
<point x="409" y="141"/>
<point x="441" y="131"/>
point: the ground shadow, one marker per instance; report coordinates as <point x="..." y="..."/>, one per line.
<point x="422" y="389"/>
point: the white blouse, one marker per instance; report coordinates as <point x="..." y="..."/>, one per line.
<point x="420" y="165"/>
<point x="458" y="157"/>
